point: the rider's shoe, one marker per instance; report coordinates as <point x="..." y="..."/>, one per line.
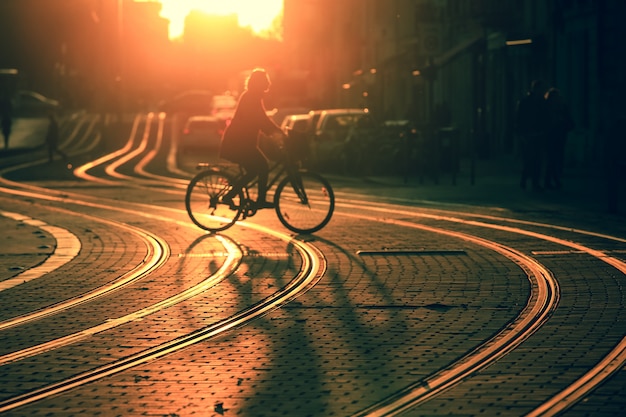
<point x="264" y="205"/>
<point x="229" y="202"/>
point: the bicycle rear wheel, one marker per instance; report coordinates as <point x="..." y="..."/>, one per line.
<point x="205" y="203"/>
<point x="304" y="204"/>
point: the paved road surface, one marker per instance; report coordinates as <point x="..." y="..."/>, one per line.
<point x="513" y="299"/>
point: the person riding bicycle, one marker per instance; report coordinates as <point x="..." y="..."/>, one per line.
<point x="240" y="141"/>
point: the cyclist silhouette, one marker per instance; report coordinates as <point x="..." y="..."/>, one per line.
<point x="240" y="142"/>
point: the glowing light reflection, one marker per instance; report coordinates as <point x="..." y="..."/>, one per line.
<point x="257" y="14"/>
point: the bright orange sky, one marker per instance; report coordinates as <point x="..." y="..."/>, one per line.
<point x="258" y="14"/>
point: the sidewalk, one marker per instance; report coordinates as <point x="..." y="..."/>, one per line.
<point x="495" y="182"/>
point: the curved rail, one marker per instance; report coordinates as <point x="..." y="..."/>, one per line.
<point x="534" y="315"/>
<point x="612" y="362"/>
<point x="225" y="270"/>
<point x="157" y="253"/>
<point x="311" y="271"/>
<point x="542" y="302"/>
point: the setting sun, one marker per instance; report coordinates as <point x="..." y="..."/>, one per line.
<point x="257" y="14"/>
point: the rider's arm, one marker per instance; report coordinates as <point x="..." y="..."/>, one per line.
<point x="268" y="126"/>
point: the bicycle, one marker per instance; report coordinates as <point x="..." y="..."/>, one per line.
<point x="304" y="201"/>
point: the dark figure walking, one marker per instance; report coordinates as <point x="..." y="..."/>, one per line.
<point x="531" y="125"/>
<point x="6" y="114"/>
<point x="52" y="139"/>
<point x="559" y="125"/>
<point x="240" y="142"/>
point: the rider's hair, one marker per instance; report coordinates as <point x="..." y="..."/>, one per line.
<point x="258" y="81"/>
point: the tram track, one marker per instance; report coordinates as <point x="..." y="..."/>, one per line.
<point x="228" y="266"/>
<point x="542" y="303"/>
<point x="157" y="253"/>
<point x="542" y="282"/>
<point x="545" y="301"/>
<point x="518" y="331"/>
<point x="311" y="271"/>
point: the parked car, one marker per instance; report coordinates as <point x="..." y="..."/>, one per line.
<point x="296" y="122"/>
<point x="279" y="114"/>
<point x="202" y="132"/>
<point x="341" y="138"/>
<point x="314" y="117"/>
<point x="33" y="104"/>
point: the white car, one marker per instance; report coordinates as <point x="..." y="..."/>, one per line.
<point x="336" y="124"/>
<point x="202" y="132"/>
<point x="339" y="134"/>
<point x="296" y="122"/>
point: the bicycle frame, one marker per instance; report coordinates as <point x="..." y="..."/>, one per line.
<point x="277" y="170"/>
<point x="304" y="201"/>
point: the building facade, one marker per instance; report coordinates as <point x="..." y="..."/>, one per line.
<point x="465" y="63"/>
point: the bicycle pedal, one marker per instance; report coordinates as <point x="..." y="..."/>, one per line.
<point x="249" y="211"/>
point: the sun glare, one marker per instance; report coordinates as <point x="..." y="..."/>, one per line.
<point x="257" y="14"/>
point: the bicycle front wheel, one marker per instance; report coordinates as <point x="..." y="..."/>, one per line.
<point x="304" y="204"/>
<point x="207" y="204"/>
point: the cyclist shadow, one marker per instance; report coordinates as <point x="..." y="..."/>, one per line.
<point x="258" y="275"/>
<point x="372" y="276"/>
<point x="369" y="308"/>
<point x="262" y="273"/>
<point x="328" y="320"/>
<point x="283" y="340"/>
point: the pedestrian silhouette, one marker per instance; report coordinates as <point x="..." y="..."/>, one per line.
<point x="52" y="140"/>
<point x="560" y="123"/>
<point x="6" y="114"/>
<point x="531" y="125"/>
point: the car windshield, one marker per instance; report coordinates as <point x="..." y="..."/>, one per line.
<point x="340" y="122"/>
<point x="345" y="121"/>
<point x="364" y="121"/>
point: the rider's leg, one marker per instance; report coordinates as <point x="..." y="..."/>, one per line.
<point x="259" y="166"/>
<point x="238" y="185"/>
<point x="255" y="165"/>
<point x="243" y="180"/>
